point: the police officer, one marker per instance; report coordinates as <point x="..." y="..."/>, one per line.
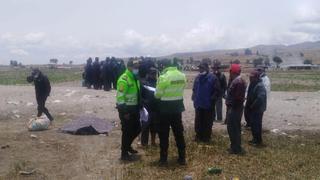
<point x="43" y="89"/>
<point x="128" y="105"/>
<point x="106" y="75"/>
<point x="89" y="73"/>
<point x="96" y="73"/>
<point x="114" y="72"/>
<point x="169" y="91"/>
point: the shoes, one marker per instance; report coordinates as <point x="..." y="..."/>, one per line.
<point x="126" y="157"/>
<point x="182" y="161"/>
<point x="241" y="152"/>
<point x="255" y="143"/>
<point x="163" y="162"/>
<point x="132" y="151"/>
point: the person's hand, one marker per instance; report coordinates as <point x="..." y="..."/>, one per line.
<point x="127" y="116"/>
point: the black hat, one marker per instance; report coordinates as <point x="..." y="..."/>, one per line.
<point x="132" y="62"/>
<point x="204" y="65"/>
<point x="152" y="70"/>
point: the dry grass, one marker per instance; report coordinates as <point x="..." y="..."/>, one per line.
<point x="23" y="166"/>
<point x="282" y="158"/>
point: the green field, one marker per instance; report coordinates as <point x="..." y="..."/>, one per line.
<point x="283" y="157"/>
<point x="295" y="80"/>
<point x="307" y="81"/>
<point x="18" y="76"/>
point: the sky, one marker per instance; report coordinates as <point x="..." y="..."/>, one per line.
<point x="34" y="31"/>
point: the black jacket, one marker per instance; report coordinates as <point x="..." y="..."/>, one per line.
<point x="42" y="86"/>
<point x="223" y="83"/>
<point x="147" y="96"/>
<point x="257" y="97"/>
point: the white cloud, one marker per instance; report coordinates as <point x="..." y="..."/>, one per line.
<point x="34" y="37"/>
<point x="307" y="13"/>
<point x="19" y="52"/>
<point x="306" y="26"/>
<point x="303" y="24"/>
<point x="312" y="28"/>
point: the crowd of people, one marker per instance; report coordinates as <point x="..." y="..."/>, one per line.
<point x="103" y="74"/>
<point x="155" y="89"/>
<point x="159" y="89"/>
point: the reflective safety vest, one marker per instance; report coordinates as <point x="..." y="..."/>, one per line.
<point x="127" y="90"/>
<point x="170" y="85"/>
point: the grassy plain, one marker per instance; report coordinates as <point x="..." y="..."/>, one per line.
<point x="12" y="76"/>
<point x="283" y="157"/>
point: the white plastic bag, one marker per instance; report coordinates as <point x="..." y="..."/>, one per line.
<point x="39" y="124"/>
<point x="144" y="115"/>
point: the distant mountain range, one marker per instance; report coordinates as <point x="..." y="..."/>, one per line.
<point x="295" y="53"/>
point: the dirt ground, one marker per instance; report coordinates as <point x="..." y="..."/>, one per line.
<point x="55" y="155"/>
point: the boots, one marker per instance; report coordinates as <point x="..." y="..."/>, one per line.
<point x="182" y="157"/>
<point x="132" y="151"/>
<point x="126" y="157"/>
<point x="163" y="158"/>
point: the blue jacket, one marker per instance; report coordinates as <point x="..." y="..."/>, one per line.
<point x="205" y="91"/>
<point x="257" y="97"/>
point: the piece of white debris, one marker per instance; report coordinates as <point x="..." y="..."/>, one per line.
<point x="17" y="116"/>
<point x="34" y="136"/>
<point x="85" y="98"/>
<point x="27" y="172"/>
<point x="292" y="136"/>
<point x="15" y="111"/>
<point x="62" y="114"/>
<point x="289" y="124"/>
<point x="70" y="93"/>
<point x="13" y="102"/>
<point x="88" y="112"/>
<point x="30" y="104"/>
<point x="284" y="134"/>
<point x="275" y="130"/>
<point x="57" y="101"/>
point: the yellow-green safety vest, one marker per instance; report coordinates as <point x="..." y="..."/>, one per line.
<point x="171" y="84"/>
<point x="127" y="89"/>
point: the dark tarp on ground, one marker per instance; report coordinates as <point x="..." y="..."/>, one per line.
<point x="87" y="126"/>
